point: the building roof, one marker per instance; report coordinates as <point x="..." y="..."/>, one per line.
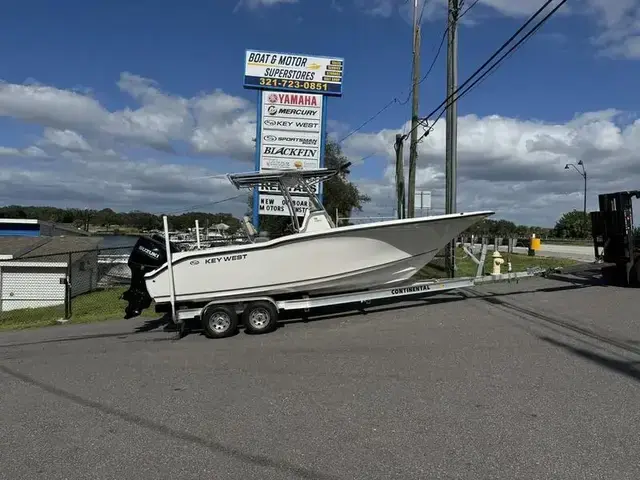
<point x="16" y="245"/>
<point x="48" y="249"/>
<point x="26" y="221"/>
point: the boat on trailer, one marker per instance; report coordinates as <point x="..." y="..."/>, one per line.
<point x="318" y="261"/>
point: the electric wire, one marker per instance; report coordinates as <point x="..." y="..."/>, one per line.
<point x="493" y="67"/>
<point x="450" y="99"/>
<point x="422" y="79"/>
<point x="191" y="208"/>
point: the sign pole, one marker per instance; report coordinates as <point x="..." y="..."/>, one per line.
<point x="323" y="144"/>
<point x="256" y="193"/>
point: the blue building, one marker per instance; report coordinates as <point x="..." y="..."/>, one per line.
<point x="25" y="227"/>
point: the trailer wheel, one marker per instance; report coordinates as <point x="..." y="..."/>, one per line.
<point x="260" y="317"/>
<point x="219" y="321"/>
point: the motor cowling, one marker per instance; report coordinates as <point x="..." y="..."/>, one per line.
<point x="148" y="254"/>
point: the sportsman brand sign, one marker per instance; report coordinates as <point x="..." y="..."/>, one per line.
<point x="290" y="138"/>
<point x="293" y="72"/>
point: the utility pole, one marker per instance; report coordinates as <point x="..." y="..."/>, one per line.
<point x="413" y="149"/>
<point x="399" y="147"/>
<point x="452" y="128"/>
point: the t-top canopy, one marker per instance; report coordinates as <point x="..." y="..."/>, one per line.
<point x="286" y="177"/>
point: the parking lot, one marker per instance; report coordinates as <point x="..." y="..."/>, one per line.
<point x="536" y="379"/>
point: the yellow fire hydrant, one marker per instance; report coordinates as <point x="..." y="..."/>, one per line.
<point x="497" y="261"/>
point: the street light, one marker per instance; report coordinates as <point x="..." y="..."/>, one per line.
<point x="583" y="174"/>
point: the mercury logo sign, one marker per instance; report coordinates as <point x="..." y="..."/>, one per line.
<point x="301" y="112"/>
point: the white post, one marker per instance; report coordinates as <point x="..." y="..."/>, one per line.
<point x="198" y="234"/>
<point x="172" y="289"/>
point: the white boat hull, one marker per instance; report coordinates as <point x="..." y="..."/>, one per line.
<point x="346" y="258"/>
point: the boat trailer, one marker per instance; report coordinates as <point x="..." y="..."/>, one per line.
<point x="222" y="317"/>
<point x="614" y="239"/>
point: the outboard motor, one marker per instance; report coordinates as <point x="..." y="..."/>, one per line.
<point x="148" y="254"/>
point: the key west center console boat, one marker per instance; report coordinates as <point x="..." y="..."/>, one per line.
<point x="318" y="258"/>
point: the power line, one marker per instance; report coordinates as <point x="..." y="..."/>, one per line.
<point x="442" y="39"/>
<point x="493" y="67"/>
<point x="424" y="77"/>
<point x="371" y="119"/>
<point x="201" y="205"/>
<point x="450" y="99"/>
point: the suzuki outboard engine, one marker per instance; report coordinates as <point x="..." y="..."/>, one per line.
<point x="148" y="254"/>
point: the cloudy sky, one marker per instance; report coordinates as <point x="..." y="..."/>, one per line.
<point x="140" y="105"/>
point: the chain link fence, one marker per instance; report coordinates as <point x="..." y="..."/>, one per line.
<point x="83" y="285"/>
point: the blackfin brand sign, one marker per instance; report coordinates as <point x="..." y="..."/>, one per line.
<point x="290" y="152"/>
<point x="293" y="72"/>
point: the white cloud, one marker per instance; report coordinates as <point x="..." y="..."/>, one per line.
<point x="617" y="21"/>
<point x="201" y="123"/>
<point x="32" y="151"/>
<point x="253" y="4"/>
<point x="515" y="167"/>
<point x="104" y="179"/>
<point x="84" y="155"/>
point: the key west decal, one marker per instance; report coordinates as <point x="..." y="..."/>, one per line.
<point x="291" y="118"/>
<point x="226" y="258"/>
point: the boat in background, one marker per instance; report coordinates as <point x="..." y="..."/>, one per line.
<point x="318" y="258"/>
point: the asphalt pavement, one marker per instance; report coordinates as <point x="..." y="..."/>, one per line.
<point x="531" y="380"/>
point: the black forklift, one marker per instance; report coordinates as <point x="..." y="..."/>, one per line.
<point x="614" y="241"/>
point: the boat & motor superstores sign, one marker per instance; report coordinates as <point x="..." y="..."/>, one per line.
<point x="293" y="72"/>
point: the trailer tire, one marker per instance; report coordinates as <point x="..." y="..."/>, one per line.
<point x="219" y="321"/>
<point x="260" y="317"/>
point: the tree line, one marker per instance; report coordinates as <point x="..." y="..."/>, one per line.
<point x="109" y="220"/>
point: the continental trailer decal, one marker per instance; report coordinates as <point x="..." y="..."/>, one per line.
<point x="293" y="72"/>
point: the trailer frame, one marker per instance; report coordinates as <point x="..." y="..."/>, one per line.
<point x="222" y="317"/>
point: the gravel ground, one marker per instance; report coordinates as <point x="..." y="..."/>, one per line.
<point x="529" y="380"/>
